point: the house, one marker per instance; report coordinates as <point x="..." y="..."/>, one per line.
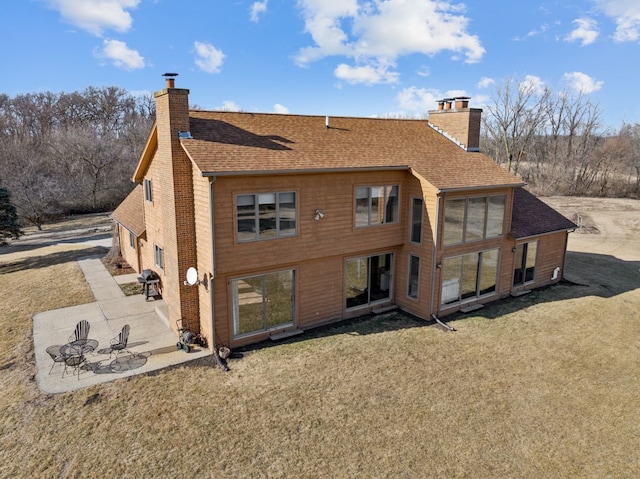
<point x="265" y="225"/>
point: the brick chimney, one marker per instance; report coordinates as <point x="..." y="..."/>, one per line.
<point x="459" y="122"/>
<point x="174" y="177"/>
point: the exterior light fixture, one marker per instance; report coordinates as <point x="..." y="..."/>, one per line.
<point x="319" y="215"/>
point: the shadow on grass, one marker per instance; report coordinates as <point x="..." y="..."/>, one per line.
<point x="32" y="244"/>
<point x="52" y="259"/>
<point x="586" y="274"/>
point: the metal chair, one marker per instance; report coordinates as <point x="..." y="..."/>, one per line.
<point x="56" y="356"/>
<point x="75" y="362"/>
<point x="119" y="343"/>
<point x="81" y="332"/>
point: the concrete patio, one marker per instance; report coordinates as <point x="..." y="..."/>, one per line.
<point x="151" y="341"/>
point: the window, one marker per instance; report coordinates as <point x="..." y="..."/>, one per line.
<point x="159" y="256"/>
<point x="132" y="240"/>
<point x="368" y="280"/>
<point x="525" y="263"/>
<point x="148" y="193"/>
<point x="473" y="219"/>
<point x="263" y="302"/>
<point x="376" y="205"/>
<point x="469" y="276"/>
<point x="414" y="275"/>
<point x="265" y="216"/>
<point x="416" y="220"/>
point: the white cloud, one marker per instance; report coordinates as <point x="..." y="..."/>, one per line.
<point x="626" y="14"/>
<point x="257" y="9"/>
<point x="367" y="74"/>
<point x="375" y="34"/>
<point x="586" y="31"/>
<point x="120" y="55"/>
<point x="532" y="84"/>
<point x="486" y="82"/>
<point x="228" y="105"/>
<point x="582" y="83"/>
<point x="278" y="108"/>
<point x="209" y="59"/>
<point x="95" y="16"/>
<point x="416" y="99"/>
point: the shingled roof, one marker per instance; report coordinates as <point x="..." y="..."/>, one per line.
<point x="130" y="213"/>
<point x="532" y="217"/>
<point x="232" y="143"/>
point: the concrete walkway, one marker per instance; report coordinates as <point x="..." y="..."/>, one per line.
<point x="151" y="342"/>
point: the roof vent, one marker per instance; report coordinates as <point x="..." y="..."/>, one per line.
<point x="186" y="135"/>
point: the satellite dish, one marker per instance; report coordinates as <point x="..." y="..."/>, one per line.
<point x="192" y="276"/>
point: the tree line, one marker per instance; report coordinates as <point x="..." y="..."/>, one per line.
<point x="555" y="141"/>
<point x="71" y="153"/>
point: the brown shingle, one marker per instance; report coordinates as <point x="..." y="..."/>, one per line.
<point x="130" y="213"/>
<point x="226" y="143"/>
<point x="532" y="216"/>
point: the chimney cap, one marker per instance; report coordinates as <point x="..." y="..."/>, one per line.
<point x="169" y="74"/>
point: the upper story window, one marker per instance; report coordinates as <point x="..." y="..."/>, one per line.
<point x="264" y="216"/>
<point x="416" y="220"/>
<point x="473" y="219"/>
<point x="148" y="193"/>
<point x="376" y="205"/>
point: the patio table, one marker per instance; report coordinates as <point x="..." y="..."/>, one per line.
<point x="79" y="347"/>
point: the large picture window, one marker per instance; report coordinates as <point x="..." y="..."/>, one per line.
<point x="524" y="269"/>
<point x="368" y="280"/>
<point x="266" y="216"/>
<point x="469" y="276"/>
<point x="376" y="205"/>
<point x="264" y="302"/>
<point x="473" y="219"/>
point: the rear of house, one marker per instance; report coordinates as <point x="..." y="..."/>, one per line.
<point x="294" y="221"/>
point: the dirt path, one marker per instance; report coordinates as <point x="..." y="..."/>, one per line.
<point x="609" y="226"/>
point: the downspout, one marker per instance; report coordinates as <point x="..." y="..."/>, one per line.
<point x="212" y="275"/>
<point x="435" y="267"/>
<point x="435" y="257"/>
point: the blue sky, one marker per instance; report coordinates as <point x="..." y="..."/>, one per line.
<point x="326" y="57"/>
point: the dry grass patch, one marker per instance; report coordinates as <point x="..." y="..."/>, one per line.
<point x="545" y="385"/>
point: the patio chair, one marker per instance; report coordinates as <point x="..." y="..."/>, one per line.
<point x="81" y="332"/>
<point x="56" y="356"/>
<point x="119" y="343"/>
<point x="74" y="362"/>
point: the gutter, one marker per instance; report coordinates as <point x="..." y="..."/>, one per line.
<point x="305" y="171"/>
<point x="212" y="275"/>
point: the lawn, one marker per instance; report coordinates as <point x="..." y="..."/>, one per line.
<point x="546" y="385"/>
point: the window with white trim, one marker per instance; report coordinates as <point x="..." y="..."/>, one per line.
<point x="148" y="192"/>
<point x="368" y="280"/>
<point x="263" y="216"/>
<point x="416" y="220"/>
<point x="473" y="219"/>
<point x="469" y="276"/>
<point x="414" y="276"/>
<point x="524" y="270"/>
<point x="263" y="302"/>
<point x="376" y="205"/>
<point x="158" y="256"/>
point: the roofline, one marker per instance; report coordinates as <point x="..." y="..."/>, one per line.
<point x="308" y="171"/>
<point x="518" y="238"/>
<point x="127" y="228"/>
<point x="147" y="154"/>
<point x="484" y="187"/>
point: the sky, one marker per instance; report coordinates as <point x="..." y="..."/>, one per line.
<point x="327" y="57"/>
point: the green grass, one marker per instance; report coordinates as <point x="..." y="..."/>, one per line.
<point x="541" y="386"/>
